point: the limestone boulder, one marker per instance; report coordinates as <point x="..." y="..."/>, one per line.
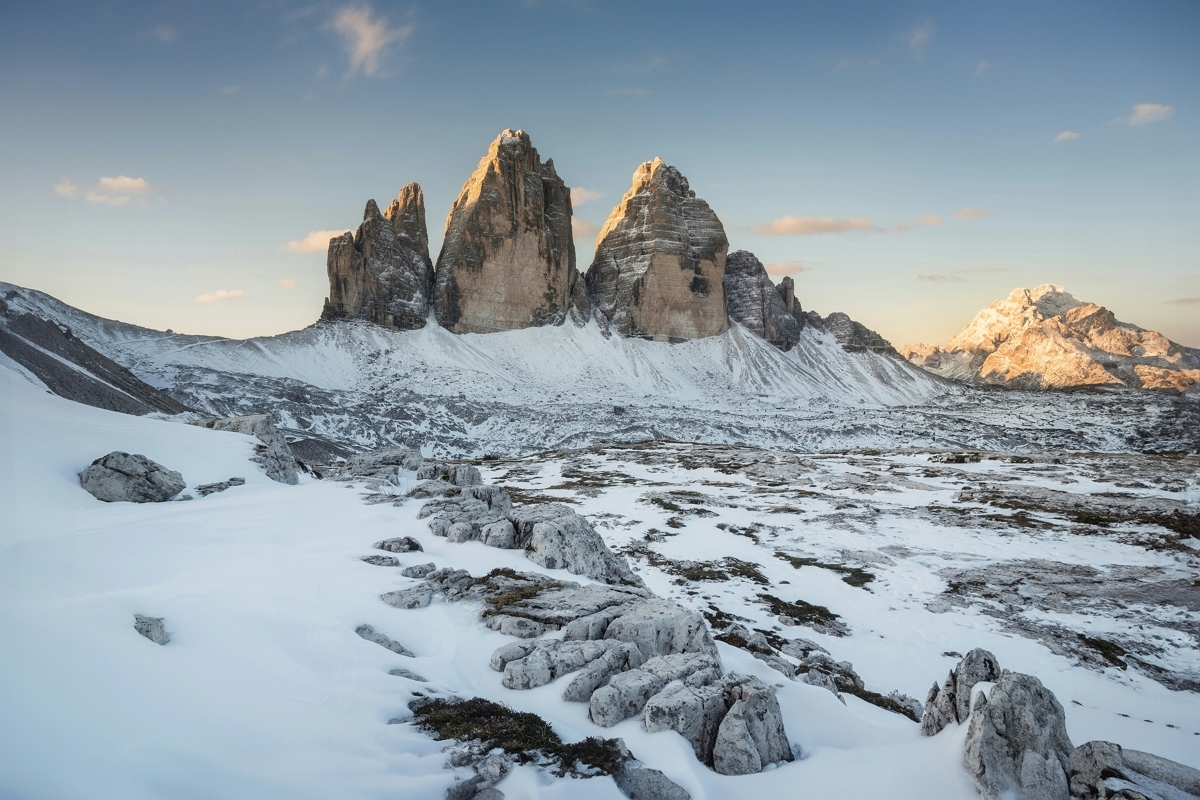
<point x="508" y="259"/>
<point x="1017" y="743"/>
<point x="382" y="273"/>
<point x="951" y="702"/>
<point x="751" y="736"/>
<point x="752" y="300"/>
<point x="382" y="639"/>
<point x="153" y="628"/>
<point x="1106" y="771"/>
<point x="130" y="477"/>
<point x="661" y="627"/>
<point x="660" y="261"/>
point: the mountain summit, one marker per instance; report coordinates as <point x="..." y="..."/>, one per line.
<point x="1045" y="338"/>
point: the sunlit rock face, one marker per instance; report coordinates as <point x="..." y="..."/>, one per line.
<point x="755" y="302"/>
<point x="660" y="261"/>
<point x="1044" y="338"/>
<point x="508" y="260"/>
<point x="382" y="273"/>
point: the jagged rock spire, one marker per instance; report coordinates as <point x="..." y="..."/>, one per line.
<point x="758" y="304"/>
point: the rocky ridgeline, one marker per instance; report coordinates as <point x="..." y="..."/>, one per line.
<point x="508" y="261"/>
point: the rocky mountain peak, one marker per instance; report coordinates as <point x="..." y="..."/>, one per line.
<point x="755" y="302"/>
<point x="382" y="273"/>
<point x="660" y="260"/>
<point x="508" y="260"/>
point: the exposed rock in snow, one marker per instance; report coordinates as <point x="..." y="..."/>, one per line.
<point x="640" y="782"/>
<point x="1044" y="338"/>
<point x="570" y="542"/>
<point x="456" y="474"/>
<point x="134" y="478"/>
<point x="213" y="488"/>
<point x="383" y="640"/>
<point x="758" y="304"/>
<point x="1106" y="771"/>
<point x="400" y="544"/>
<point x="274" y="454"/>
<point x="626" y="694"/>
<point x="508" y="259"/>
<point x="418" y="570"/>
<point x="854" y="337"/>
<point x="660" y="261"/>
<point x="363" y="464"/>
<point x="382" y="273"/>
<point x="952" y="701"/>
<point x="1017" y="743"/>
<point x="751" y="736"/>
<point x="401" y="672"/>
<point x="152" y="628"/>
<point x="382" y="561"/>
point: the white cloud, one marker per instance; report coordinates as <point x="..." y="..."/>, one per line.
<point x="972" y="213"/>
<point x="1067" y="136"/>
<point x="220" y="295"/>
<point x="786" y="268"/>
<point x="289" y="283"/>
<point x="163" y="33"/>
<point x="367" y="38"/>
<point x="314" y="242"/>
<point x="580" y="195"/>
<point x="923" y="221"/>
<point x="1147" y="113"/>
<point x="982" y="68"/>
<point x="626" y="92"/>
<point x="64" y="188"/>
<point x="582" y="230"/>
<point x="918" y="39"/>
<point x="812" y="226"/>
<point x="119" y="191"/>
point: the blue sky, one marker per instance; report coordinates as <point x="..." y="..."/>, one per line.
<point x="906" y="163"/>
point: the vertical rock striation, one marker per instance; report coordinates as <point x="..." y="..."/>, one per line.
<point x="660" y="261"/>
<point x="382" y="273"/>
<point x="508" y="260"/>
<point x="755" y="302"/>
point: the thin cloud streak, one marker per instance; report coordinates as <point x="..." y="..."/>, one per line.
<point x="580" y="195"/>
<point x="288" y="283"/>
<point x="923" y="221"/>
<point x="972" y="213"/>
<point x="314" y="242"/>
<point x="1067" y="136"/>
<point x="786" y="268"/>
<point x="1147" y="113"/>
<point x="220" y="295"/>
<point x="918" y="39"/>
<point x="1184" y="301"/>
<point x="813" y="226"/>
<point x="367" y="38"/>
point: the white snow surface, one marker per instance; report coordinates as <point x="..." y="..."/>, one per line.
<point x="265" y="690"/>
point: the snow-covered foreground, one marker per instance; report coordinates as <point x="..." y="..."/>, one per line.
<point x="266" y="691"/>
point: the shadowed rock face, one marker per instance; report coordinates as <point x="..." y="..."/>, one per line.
<point x="508" y="260"/>
<point x="660" y="261"/>
<point x="382" y="273"/>
<point x="756" y="303"/>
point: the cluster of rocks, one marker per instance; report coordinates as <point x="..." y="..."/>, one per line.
<point x="272" y="452"/>
<point x="508" y="261"/>
<point x="1017" y="743"/>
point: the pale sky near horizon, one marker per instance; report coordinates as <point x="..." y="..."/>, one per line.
<point x="171" y="164"/>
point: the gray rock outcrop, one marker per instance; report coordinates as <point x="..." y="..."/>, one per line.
<point x="273" y="452"/>
<point x="639" y="782"/>
<point x="660" y="261"/>
<point x="382" y="273"/>
<point x="508" y="260"/>
<point x="1017" y="743"/>
<point x="1106" y="771"/>
<point x="752" y="300"/>
<point x="951" y="702"/>
<point x="456" y="474"/>
<point x="383" y="640"/>
<point x="381" y="561"/>
<point x="152" y="628"/>
<point x="854" y="337"/>
<point x="132" y="478"/>
<point x="400" y="544"/>
<point x="212" y="488"/>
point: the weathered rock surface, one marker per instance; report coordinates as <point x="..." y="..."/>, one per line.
<point x="212" y="488"/>
<point x="660" y="627"/>
<point x="152" y="628"/>
<point x="381" y="561"/>
<point x="660" y="261"/>
<point x="1017" y="743"/>
<point x="383" y="640"/>
<point x="551" y="659"/>
<point x="639" y="782"/>
<point x="570" y="542"/>
<point x="508" y="260"/>
<point x="132" y="478"/>
<point x="400" y="544"/>
<point x="456" y="474"/>
<point x="419" y="570"/>
<point x="751" y="736"/>
<point x="273" y="453"/>
<point x="752" y="300"/>
<point x="401" y="672"/>
<point x="952" y="701"/>
<point x="1106" y="771"/>
<point x="388" y="459"/>
<point x="1044" y="338"/>
<point x="854" y="337"/>
<point x="627" y="693"/>
<point x="382" y="273"/>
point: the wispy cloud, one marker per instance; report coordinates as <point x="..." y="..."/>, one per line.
<point x="1067" y="136"/>
<point x="289" y="283"/>
<point x="982" y="68"/>
<point x="220" y="295"/>
<point x="972" y="213"/>
<point x="584" y="231"/>
<point x="640" y="65"/>
<point x="626" y="92"/>
<point x="314" y="242"/>
<point x="813" y="226"/>
<point x="923" y="221"/>
<point x="162" y="33"/>
<point x="960" y="275"/>
<point x="108" y="191"/>
<point x="368" y="38"/>
<point x="1146" y="114"/>
<point x="786" y="268"/>
<point x="1184" y="301"/>
<point x="919" y="38"/>
<point x="580" y="195"/>
<point x="65" y="188"/>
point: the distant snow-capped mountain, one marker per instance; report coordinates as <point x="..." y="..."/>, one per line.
<point x="1044" y="338"/>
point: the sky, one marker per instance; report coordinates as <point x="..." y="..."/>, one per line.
<point x="181" y="165"/>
